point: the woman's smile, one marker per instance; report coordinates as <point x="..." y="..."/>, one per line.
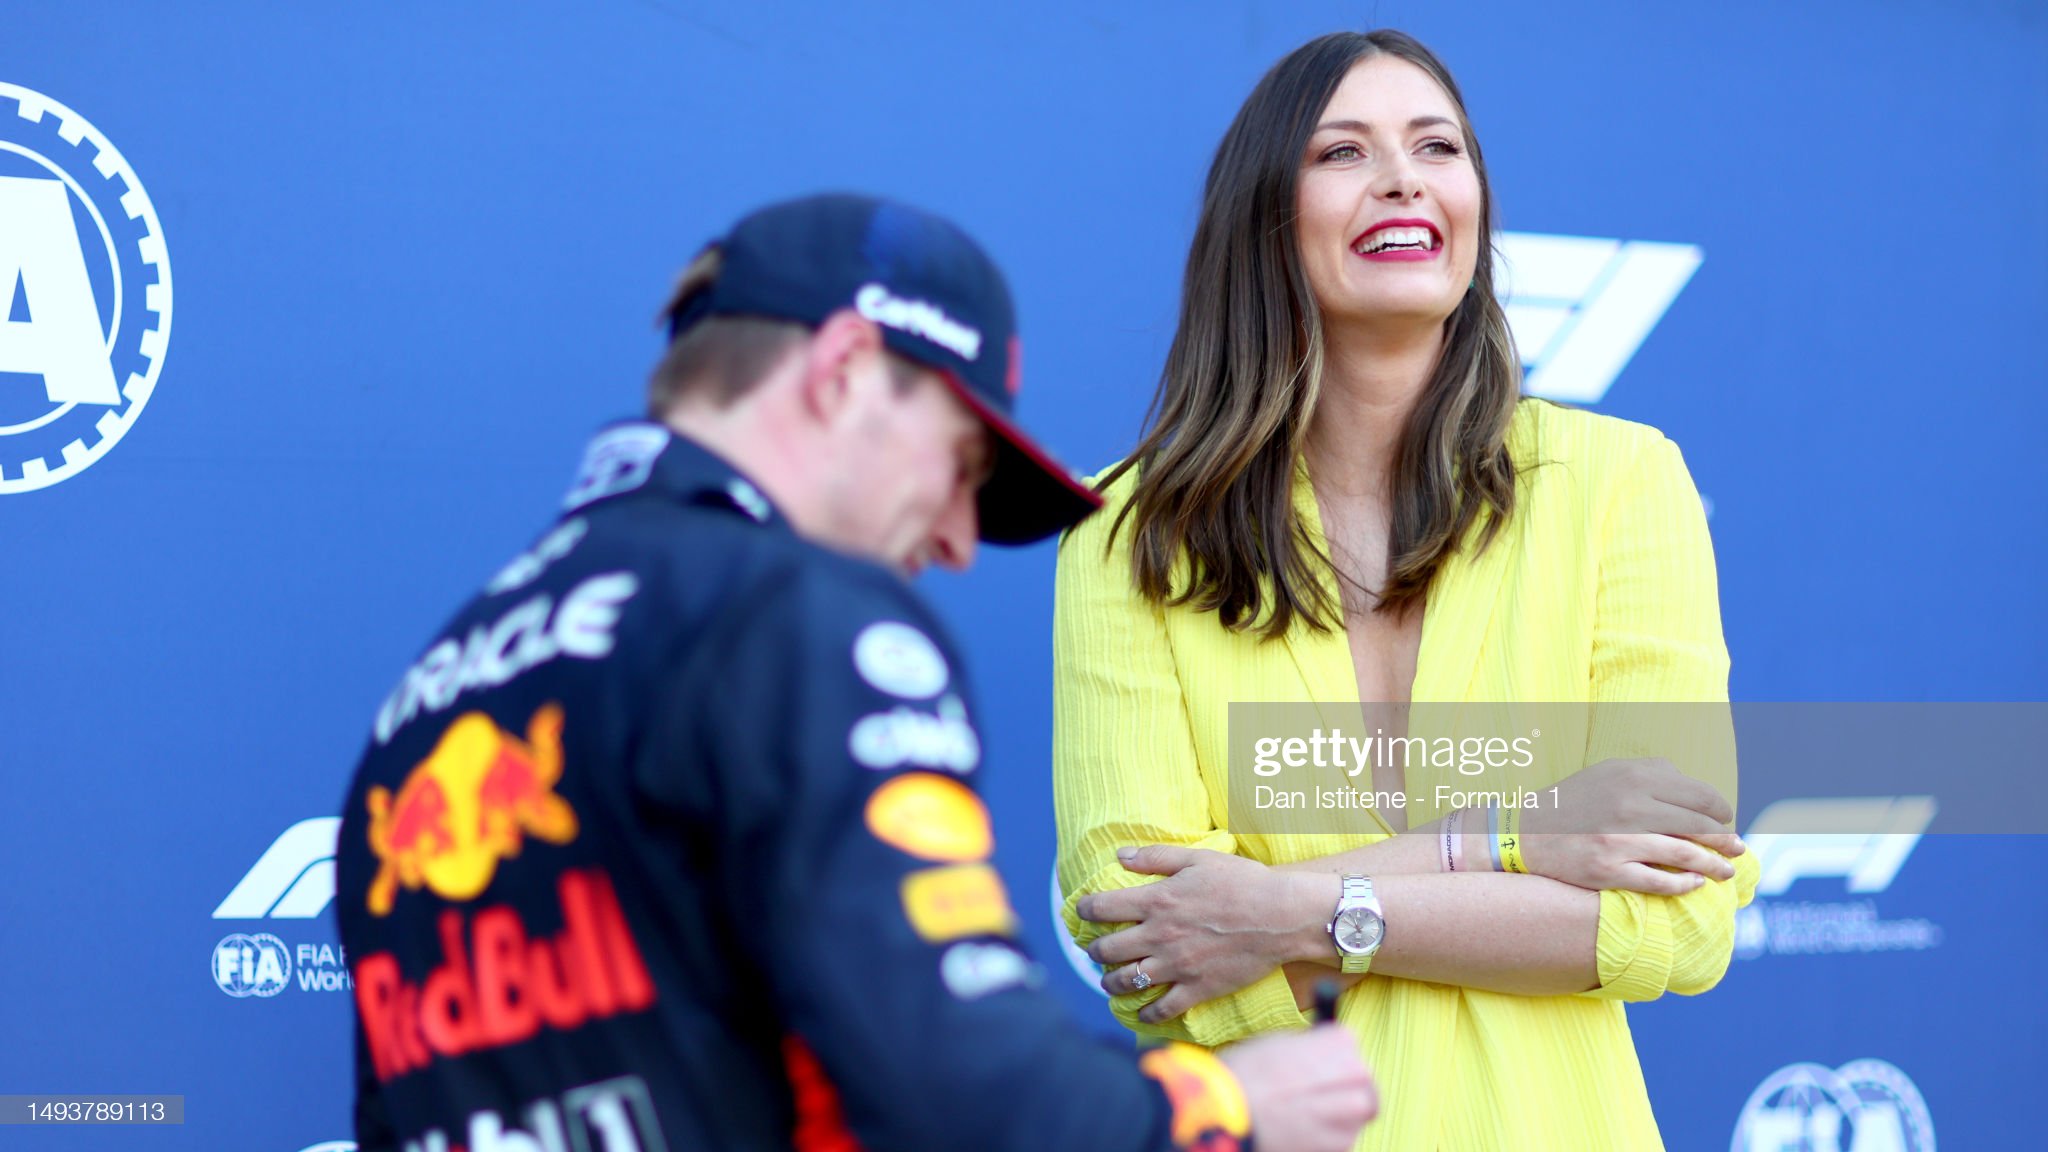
<point x="1405" y="239"/>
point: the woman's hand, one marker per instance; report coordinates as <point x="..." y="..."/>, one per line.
<point x="1216" y="924"/>
<point x="1629" y="821"/>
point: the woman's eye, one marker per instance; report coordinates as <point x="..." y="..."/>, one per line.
<point x="1343" y="152"/>
<point x="1441" y="148"/>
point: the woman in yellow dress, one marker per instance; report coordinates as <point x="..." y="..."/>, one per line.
<point x="1343" y="497"/>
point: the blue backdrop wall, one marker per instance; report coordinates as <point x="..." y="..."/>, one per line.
<point x="417" y="252"/>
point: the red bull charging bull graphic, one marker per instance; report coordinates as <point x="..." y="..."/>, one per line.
<point x="468" y="805"/>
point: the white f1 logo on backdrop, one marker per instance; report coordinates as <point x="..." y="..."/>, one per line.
<point x="294" y="878"/>
<point x="85" y="293"/>
<point x="1580" y="306"/>
<point x="1864" y="840"/>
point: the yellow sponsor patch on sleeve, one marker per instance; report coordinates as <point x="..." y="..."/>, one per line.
<point x="1209" y="1109"/>
<point x="932" y="817"/>
<point x="957" y="900"/>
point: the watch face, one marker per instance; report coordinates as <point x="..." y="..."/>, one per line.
<point x="1359" y="930"/>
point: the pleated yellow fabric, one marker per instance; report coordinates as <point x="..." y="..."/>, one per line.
<point x="1601" y="588"/>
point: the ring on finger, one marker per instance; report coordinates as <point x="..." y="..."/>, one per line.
<point x="1139" y="981"/>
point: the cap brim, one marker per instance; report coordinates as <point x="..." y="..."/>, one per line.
<point x="1029" y="495"/>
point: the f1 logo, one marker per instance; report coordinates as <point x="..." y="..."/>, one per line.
<point x="1580" y="306"/>
<point x="1864" y="840"/>
<point x="294" y="878"/>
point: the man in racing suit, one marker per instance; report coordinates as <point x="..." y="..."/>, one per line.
<point x="670" y="839"/>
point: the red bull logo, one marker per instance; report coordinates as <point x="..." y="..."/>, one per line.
<point x="501" y="983"/>
<point x="468" y="805"/>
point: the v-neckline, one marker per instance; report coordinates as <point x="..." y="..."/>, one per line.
<point x="1456" y="617"/>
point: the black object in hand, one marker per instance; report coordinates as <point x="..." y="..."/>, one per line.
<point x="1326" y="1001"/>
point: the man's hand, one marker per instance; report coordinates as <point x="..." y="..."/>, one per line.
<point x="1216" y="923"/>
<point x="1307" y="1091"/>
<point x="1628" y="821"/>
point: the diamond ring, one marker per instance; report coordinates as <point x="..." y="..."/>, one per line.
<point x="1140" y="982"/>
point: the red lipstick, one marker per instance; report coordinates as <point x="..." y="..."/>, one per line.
<point x="1400" y="255"/>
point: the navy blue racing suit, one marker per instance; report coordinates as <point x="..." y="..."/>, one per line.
<point x="671" y="840"/>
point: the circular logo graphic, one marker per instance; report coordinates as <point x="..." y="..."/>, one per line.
<point x="246" y="965"/>
<point x="85" y="293"/>
<point x="899" y="660"/>
<point x="1862" y="1104"/>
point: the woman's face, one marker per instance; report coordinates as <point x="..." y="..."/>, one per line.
<point x="1388" y="199"/>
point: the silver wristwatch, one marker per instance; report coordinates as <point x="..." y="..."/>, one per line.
<point x="1358" y="927"/>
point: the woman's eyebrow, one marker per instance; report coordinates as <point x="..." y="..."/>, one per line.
<point x="1362" y="127"/>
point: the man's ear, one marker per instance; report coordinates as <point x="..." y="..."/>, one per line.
<point x="843" y="342"/>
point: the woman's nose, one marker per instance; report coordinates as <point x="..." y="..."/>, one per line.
<point x="1398" y="181"/>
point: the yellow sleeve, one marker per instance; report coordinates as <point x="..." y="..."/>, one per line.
<point x="1657" y="643"/>
<point x="1125" y="772"/>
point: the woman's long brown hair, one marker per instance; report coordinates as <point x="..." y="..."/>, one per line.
<point x="1242" y="379"/>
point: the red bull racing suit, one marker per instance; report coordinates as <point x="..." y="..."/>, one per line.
<point x="671" y="840"/>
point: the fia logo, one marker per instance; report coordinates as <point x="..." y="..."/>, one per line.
<point x="85" y="293"/>
<point x="1580" y="306"/>
<point x="245" y="965"/>
<point x="1863" y="1106"/>
<point x="292" y="880"/>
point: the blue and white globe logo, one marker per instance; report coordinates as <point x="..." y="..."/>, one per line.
<point x="85" y="293"/>
<point x="251" y="965"/>
<point x="1863" y="1106"/>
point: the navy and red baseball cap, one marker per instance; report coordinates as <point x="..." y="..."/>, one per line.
<point x="938" y="300"/>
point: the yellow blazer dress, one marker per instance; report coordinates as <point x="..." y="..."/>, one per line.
<point x="1600" y="587"/>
